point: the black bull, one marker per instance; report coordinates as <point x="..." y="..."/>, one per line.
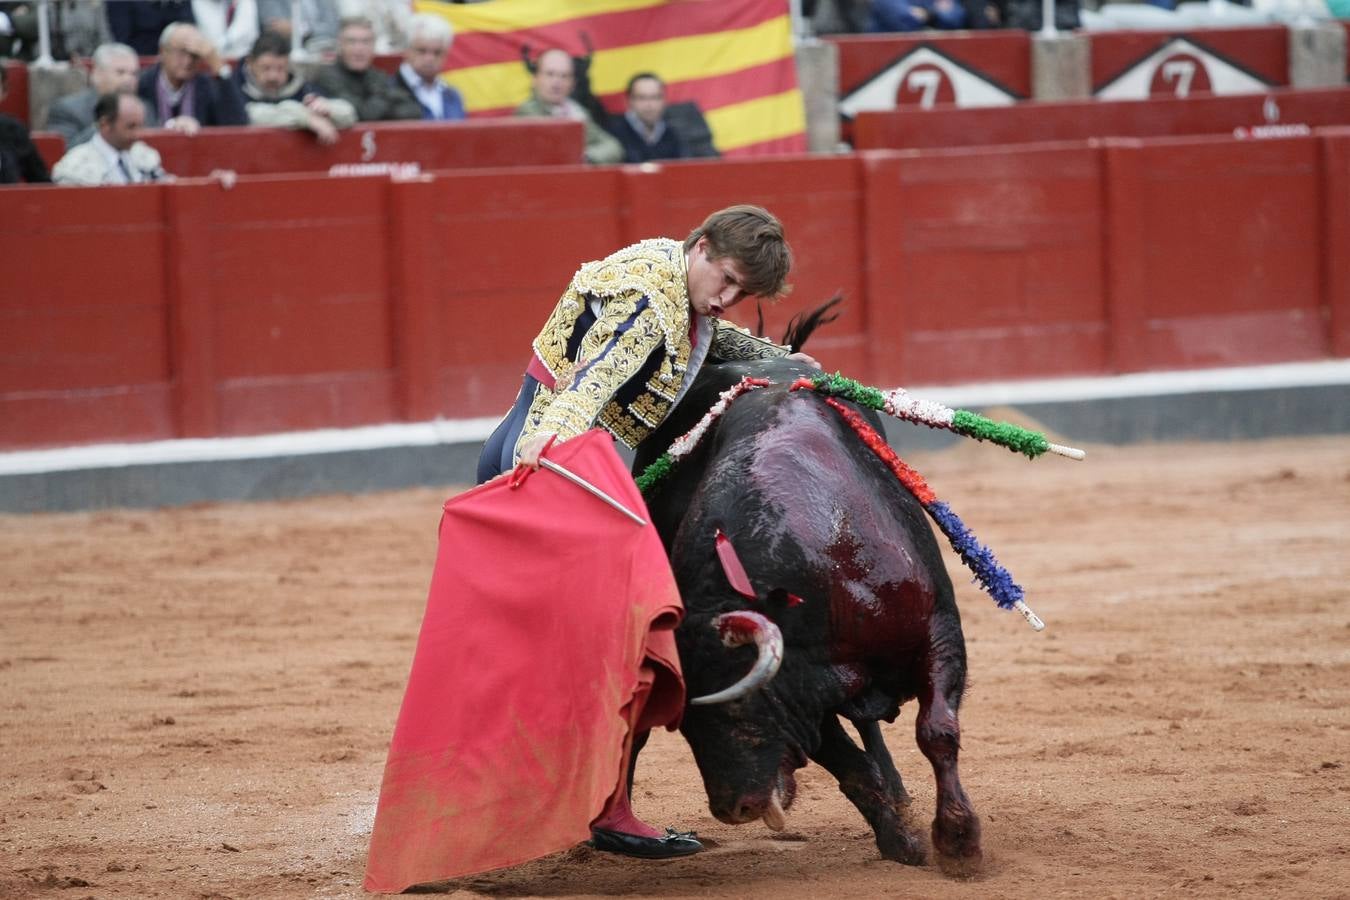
<point x="813" y="513"/>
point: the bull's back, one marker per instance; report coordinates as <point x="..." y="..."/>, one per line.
<point x="811" y="510"/>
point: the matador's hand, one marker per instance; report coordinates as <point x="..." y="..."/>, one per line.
<point x="535" y="447"/>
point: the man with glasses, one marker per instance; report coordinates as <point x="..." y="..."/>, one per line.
<point x="190" y="87"/>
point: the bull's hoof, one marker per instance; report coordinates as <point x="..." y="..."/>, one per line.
<point x="675" y="843"/>
<point x="903" y="848"/>
<point x="956" y="845"/>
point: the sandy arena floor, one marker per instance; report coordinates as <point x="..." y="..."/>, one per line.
<point x="196" y="702"/>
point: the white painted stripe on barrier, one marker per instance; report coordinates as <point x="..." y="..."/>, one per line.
<point x="1141" y="384"/>
<point x="263" y="446"/>
<point x="458" y="431"/>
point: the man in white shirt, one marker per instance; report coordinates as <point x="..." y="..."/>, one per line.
<point x="114" y="155"/>
<point x="429" y="40"/>
<point x="231" y="25"/>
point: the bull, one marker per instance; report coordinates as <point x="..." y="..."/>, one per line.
<point x="850" y="591"/>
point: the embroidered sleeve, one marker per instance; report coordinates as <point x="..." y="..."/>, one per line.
<point x="613" y="350"/>
<point x="732" y="342"/>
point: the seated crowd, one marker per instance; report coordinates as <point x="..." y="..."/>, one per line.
<point x="191" y="86"/>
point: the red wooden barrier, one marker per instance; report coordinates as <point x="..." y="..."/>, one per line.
<point x="506" y="243"/>
<point x="1133" y="65"/>
<point x="481" y="143"/>
<point x="1336" y="235"/>
<point x="1215" y="252"/>
<point x="303" y="301"/>
<point x="83" y="354"/>
<point x="431" y="145"/>
<point x="1034" y="123"/>
<point x="50" y="146"/>
<point x="292" y="309"/>
<point x="984" y="264"/>
<point x="16" y="97"/>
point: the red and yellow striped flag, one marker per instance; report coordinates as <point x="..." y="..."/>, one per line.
<point x="732" y="57"/>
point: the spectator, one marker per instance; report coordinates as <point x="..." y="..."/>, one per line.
<point x="643" y="129"/>
<point x="78" y="27"/>
<point x="391" y="18"/>
<point x="276" y="97"/>
<point x="429" y="40"/>
<point x="231" y="25"/>
<point x="75" y="27"/>
<point x="836" y="16"/>
<point x="354" y="79"/>
<point x="317" y="20"/>
<point x="190" y="87"/>
<point x="19" y="159"/>
<point x="141" y="25"/>
<point x="553" y="81"/>
<point x="985" y="13"/>
<point x="1029" y="14"/>
<point x="915" y="15"/>
<point x="18" y="30"/>
<point x="115" y="155"/>
<point x="114" y="72"/>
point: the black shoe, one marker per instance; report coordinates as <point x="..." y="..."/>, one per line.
<point x="675" y="843"/>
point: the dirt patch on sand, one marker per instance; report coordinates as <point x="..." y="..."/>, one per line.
<point x="197" y="702"/>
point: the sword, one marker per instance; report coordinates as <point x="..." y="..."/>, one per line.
<point x="587" y="486"/>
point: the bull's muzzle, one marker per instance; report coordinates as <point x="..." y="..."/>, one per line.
<point x="743" y="627"/>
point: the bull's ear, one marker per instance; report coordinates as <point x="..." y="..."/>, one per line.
<point x="783" y="597"/>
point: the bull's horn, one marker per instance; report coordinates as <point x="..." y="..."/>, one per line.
<point x="739" y="628"/>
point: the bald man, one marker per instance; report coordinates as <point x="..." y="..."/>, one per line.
<point x="550" y="97"/>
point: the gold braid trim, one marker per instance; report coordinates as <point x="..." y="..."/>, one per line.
<point x="651" y="269"/>
<point x="733" y="342"/>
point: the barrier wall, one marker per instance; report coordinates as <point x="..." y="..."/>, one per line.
<point x="291" y="302"/>
<point x="431" y="145"/>
<point x="16" y="97"/>
<point x="1216" y="252"/>
<point x="1032" y="123"/>
<point x="83" y="321"/>
<point x="1336" y="236"/>
<point x="985" y="266"/>
<point x="50" y="146"/>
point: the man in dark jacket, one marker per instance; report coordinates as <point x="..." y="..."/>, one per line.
<point x="190" y="87"/>
<point x="19" y="159"/>
<point x="353" y="77"/>
<point x="141" y="24"/>
<point x="275" y="96"/>
<point x="643" y="129"/>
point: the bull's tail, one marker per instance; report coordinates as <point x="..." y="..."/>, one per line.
<point x="804" y="324"/>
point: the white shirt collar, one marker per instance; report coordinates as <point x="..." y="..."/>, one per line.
<point x="132" y="175"/>
<point x="429" y="95"/>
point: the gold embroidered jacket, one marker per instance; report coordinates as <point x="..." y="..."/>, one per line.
<point x="639" y="304"/>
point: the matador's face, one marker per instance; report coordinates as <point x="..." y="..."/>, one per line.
<point x="714" y="285"/>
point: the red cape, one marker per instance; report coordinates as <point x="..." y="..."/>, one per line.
<point x="543" y="605"/>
